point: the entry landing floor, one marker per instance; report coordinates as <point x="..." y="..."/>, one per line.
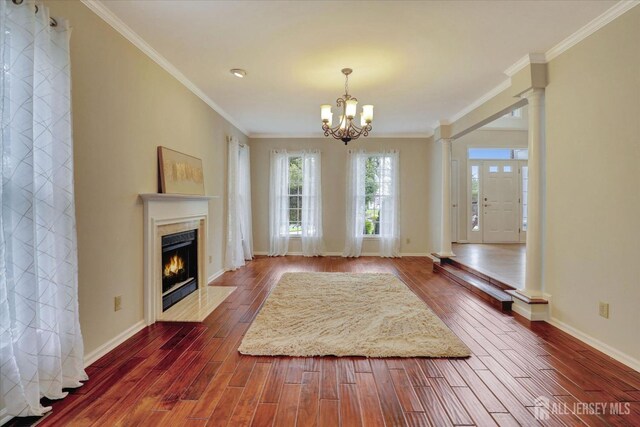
<point x="504" y="262"/>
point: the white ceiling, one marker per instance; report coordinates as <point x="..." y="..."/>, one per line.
<point x="417" y="62"/>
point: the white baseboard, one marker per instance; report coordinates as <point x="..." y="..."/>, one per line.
<point x="416" y="254"/>
<point x="214" y="276"/>
<point x="113" y="343"/>
<point x="597" y="344"/>
<point x="532" y="312"/>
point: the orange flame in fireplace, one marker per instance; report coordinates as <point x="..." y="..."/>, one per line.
<point x="174" y="266"/>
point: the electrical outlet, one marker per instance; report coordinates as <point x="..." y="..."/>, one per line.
<point x="210" y="259"/>
<point x="603" y="309"/>
<point x="117" y="303"/>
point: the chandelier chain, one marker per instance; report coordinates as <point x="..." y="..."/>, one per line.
<point x="346" y="85"/>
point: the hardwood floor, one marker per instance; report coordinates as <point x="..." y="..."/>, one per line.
<point x="504" y="262"/>
<point x="190" y="374"/>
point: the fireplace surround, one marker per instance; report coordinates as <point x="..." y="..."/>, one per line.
<point x="170" y="215"/>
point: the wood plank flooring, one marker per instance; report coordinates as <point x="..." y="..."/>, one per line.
<point x="504" y="262"/>
<point x="190" y="374"/>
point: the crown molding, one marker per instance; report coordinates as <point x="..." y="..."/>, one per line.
<point x="321" y="136"/>
<point x="110" y="18"/>
<point x="478" y="102"/>
<point x="542" y="58"/>
<point x="609" y="15"/>
<point x="530" y="58"/>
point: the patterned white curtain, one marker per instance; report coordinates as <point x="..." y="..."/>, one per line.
<point x="355" y="202"/>
<point x="41" y="349"/>
<point x="312" y="236"/>
<point x="279" y="203"/>
<point x="389" y="177"/>
<point x="239" y="230"/>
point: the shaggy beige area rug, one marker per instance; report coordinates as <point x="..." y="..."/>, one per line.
<point x="348" y="314"/>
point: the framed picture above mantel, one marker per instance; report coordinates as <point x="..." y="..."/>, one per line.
<point x="179" y="173"/>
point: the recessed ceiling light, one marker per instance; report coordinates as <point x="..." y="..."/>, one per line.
<point x="238" y="72"/>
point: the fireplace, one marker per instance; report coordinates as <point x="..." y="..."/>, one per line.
<point x="179" y="266"/>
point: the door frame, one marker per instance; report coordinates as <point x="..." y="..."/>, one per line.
<point x="455" y="200"/>
<point x="477" y="236"/>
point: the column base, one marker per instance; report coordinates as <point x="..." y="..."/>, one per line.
<point x="531" y="294"/>
<point x="445" y="254"/>
<point x="533" y="312"/>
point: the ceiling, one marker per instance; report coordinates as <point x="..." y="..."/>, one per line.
<point x="417" y="62"/>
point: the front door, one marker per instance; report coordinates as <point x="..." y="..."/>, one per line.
<point x="500" y="205"/>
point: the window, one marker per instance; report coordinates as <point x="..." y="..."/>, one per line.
<point x="521" y="154"/>
<point x="373" y="189"/>
<point x="525" y="179"/>
<point x="377" y="189"/>
<point x="517" y="113"/>
<point x="498" y="154"/>
<point x="475" y="197"/>
<point x="295" y="195"/>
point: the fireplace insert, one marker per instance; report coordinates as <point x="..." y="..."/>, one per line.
<point x="179" y="266"/>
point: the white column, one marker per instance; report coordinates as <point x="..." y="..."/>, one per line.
<point x="533" y="287"/>
<point x="445" y="221"/>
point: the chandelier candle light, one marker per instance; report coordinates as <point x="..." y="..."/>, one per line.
<point x="346" y="130"/>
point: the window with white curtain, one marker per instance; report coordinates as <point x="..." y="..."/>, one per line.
<point x="295" y="202"/>
<point x="373" y="194"/>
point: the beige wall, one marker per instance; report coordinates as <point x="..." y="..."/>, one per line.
<point x="414" y="172"/>
<point x="592" y="238"/>
<point x="487" y="138"/>
<point x="124" y="106"/>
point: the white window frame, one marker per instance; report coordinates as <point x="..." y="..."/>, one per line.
<point x="372" y="236"/>
<point x="294" y="235"/>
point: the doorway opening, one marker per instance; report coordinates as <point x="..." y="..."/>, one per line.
<point x="497" y="200"/>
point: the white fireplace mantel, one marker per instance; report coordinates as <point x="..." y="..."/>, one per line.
<point x="165" y="214"/>
<point x="174" y="197"/>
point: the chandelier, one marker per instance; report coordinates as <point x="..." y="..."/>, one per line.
<point x="346" y="130"/>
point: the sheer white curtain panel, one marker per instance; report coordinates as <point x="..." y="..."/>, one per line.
<point x="389" y="178"/>
<point x="312" y="235"/>
<point x="239" y="228"/>
<point x="41" y="348"/>
<point x="279" y="203"/>
<point x="355" y="202"/>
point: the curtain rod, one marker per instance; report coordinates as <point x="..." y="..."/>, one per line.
<point x="52" y="22"/>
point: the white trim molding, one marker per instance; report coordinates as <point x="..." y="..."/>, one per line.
<point x="609" y="15"/>
<point x="372" y="254"/>
<point x="530" y="58"/>
<point x="478" y="102"/>
<point x="110" y="18"/>
<point x="214" y="276"/>
<point x="621" y="357"/>
<point x="532" y="312"/>
<point x="542" y="58"/>
<point x="105" y="348"/>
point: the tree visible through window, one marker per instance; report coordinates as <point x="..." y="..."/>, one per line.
<point x="295" y="195"/>
<point x="377" y="188"/>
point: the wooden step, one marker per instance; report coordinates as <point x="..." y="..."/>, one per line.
<point x="486" y="290"/>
